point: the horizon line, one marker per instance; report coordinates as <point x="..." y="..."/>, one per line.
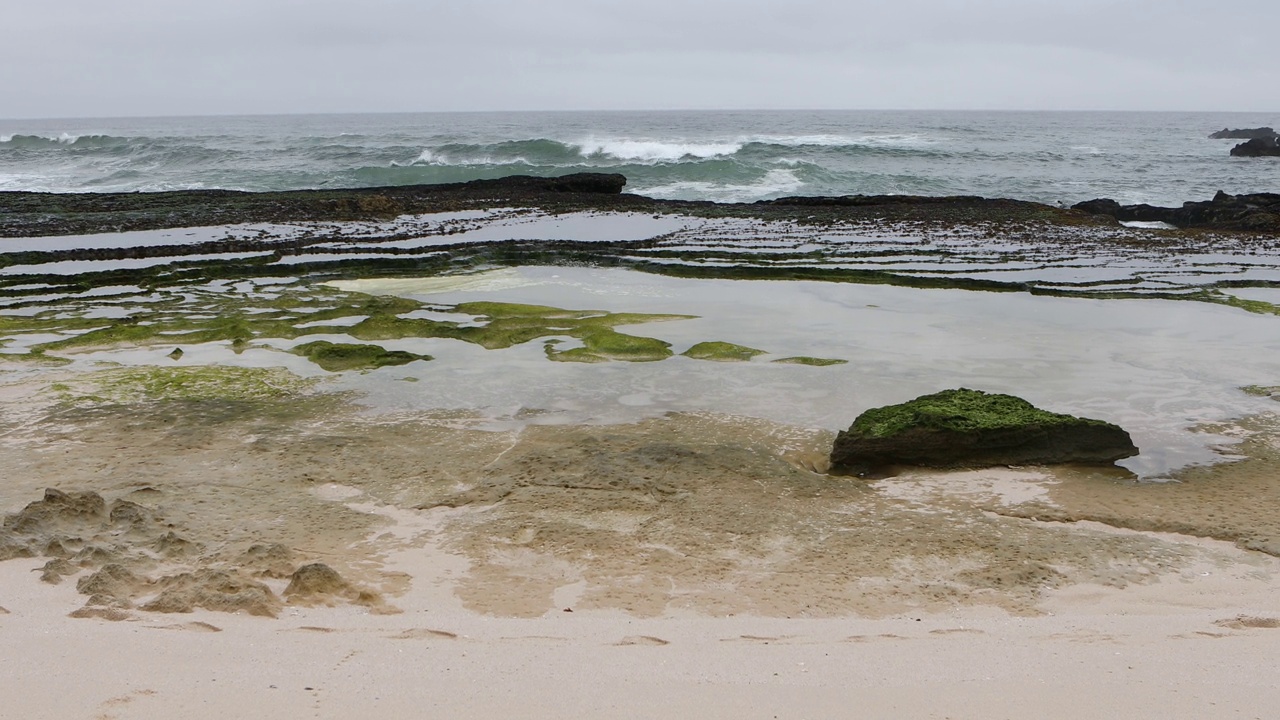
<point x="626" y="111"/>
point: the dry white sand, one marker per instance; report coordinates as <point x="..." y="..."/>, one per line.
<point x="1173" y="649"/>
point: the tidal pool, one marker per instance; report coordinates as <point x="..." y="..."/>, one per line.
<point x="755" y="348"/>
<point x="1156" y="367"/>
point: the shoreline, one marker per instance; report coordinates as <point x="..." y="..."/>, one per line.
<point x="1190" y="637"/>
<point x="33" y="214"/>
<point x="479" y="557"/>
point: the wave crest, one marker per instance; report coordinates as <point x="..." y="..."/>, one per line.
<point x="62" y="140"/>
<point x="641" y="150"/>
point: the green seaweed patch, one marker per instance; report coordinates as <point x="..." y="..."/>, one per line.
<point x="1261" y="390"/>
<point x="813" y="361"/>
<point x="194" y="316"/>
<point x="614" y="345"/>
<point x="721" y="352"/>
<point x="337" y="357"/>
<point x="1260" y="307"/>
<point x="519" y="310"/>
<point x="960" y="410"/>
<point x="513" y="324"/>
<point x="578" y="354"/>
<point x="207" y="382"/>
<point x="33" y="358"/>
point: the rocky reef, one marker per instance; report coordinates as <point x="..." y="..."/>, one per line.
<point x="1258" y="147"/>
<point x="970" y="428"/>
<point x="1257" y="212"/>
<point x="1244" y="133"/>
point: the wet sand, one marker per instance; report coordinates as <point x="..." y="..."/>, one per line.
<point x="690" y="564"/>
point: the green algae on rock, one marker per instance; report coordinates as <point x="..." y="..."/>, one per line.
<point x="970" y="428"/>
<point x="207" y="382"/>
<point x="578" y="354"/>
<point x="33" y="358"/>
<point x="245" y="314"/>
<point x="336" y="357"/>
<point x="607" y="343"/>
<point x="813" y="361"/>
<point x="722" y="352"/>
<point x="209" y="315"/>
<point x="1213" y="295"/>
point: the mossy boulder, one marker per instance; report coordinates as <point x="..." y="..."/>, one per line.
<point x="969" y="428"/>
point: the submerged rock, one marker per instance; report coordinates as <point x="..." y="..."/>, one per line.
<point x="721" y="351"/>
<point x="336" y="357"/>
<point x="969" y="428"/>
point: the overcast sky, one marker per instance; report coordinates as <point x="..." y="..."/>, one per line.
<point x="94" y="58"/>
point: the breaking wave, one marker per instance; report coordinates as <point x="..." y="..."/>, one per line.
<point x="689" y="156"/>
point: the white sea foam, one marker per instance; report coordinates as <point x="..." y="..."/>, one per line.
<point x="654" y="151"/>
<point x="779" y="181"/>
<point x="428" y="157"/>
<point x="830" y="140"/>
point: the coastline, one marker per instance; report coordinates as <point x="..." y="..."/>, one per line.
<point x="1189" y="633"/>
<point x="687" y="560"/>
<point x="32" y="214"/>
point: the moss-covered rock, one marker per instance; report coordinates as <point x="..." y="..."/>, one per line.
<point x="336" y="357"/>
<point x="970" y="428"/>
<point x="614" y="345"/>
<point x="721" y="351"/>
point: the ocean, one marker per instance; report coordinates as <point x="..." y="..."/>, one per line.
<point x="730" y="156"/>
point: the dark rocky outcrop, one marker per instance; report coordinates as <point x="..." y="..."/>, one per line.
<point x="1258" y="147"/>
<point x="1255" y="212"/>
<point x="1244" y="133"/>
<point x="36" y="213"/>
<point x="969" y="428"/>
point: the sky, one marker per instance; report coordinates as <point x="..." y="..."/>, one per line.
<point x="98" y="58"/>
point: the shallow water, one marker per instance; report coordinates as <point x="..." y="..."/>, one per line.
<point x="1155" y="367"/>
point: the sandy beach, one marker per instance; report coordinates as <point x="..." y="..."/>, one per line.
<point x="685" y="565"/>
<point x="601" y="361"/>
<point x="485" y="471"/>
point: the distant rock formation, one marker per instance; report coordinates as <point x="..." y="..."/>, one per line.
<point x="1255" y="212"/>
<point x="591" y="183"/>
<point x="1258" y="147"/>
<point x="969" y="429"/>
<point x="1245" y="134"/>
